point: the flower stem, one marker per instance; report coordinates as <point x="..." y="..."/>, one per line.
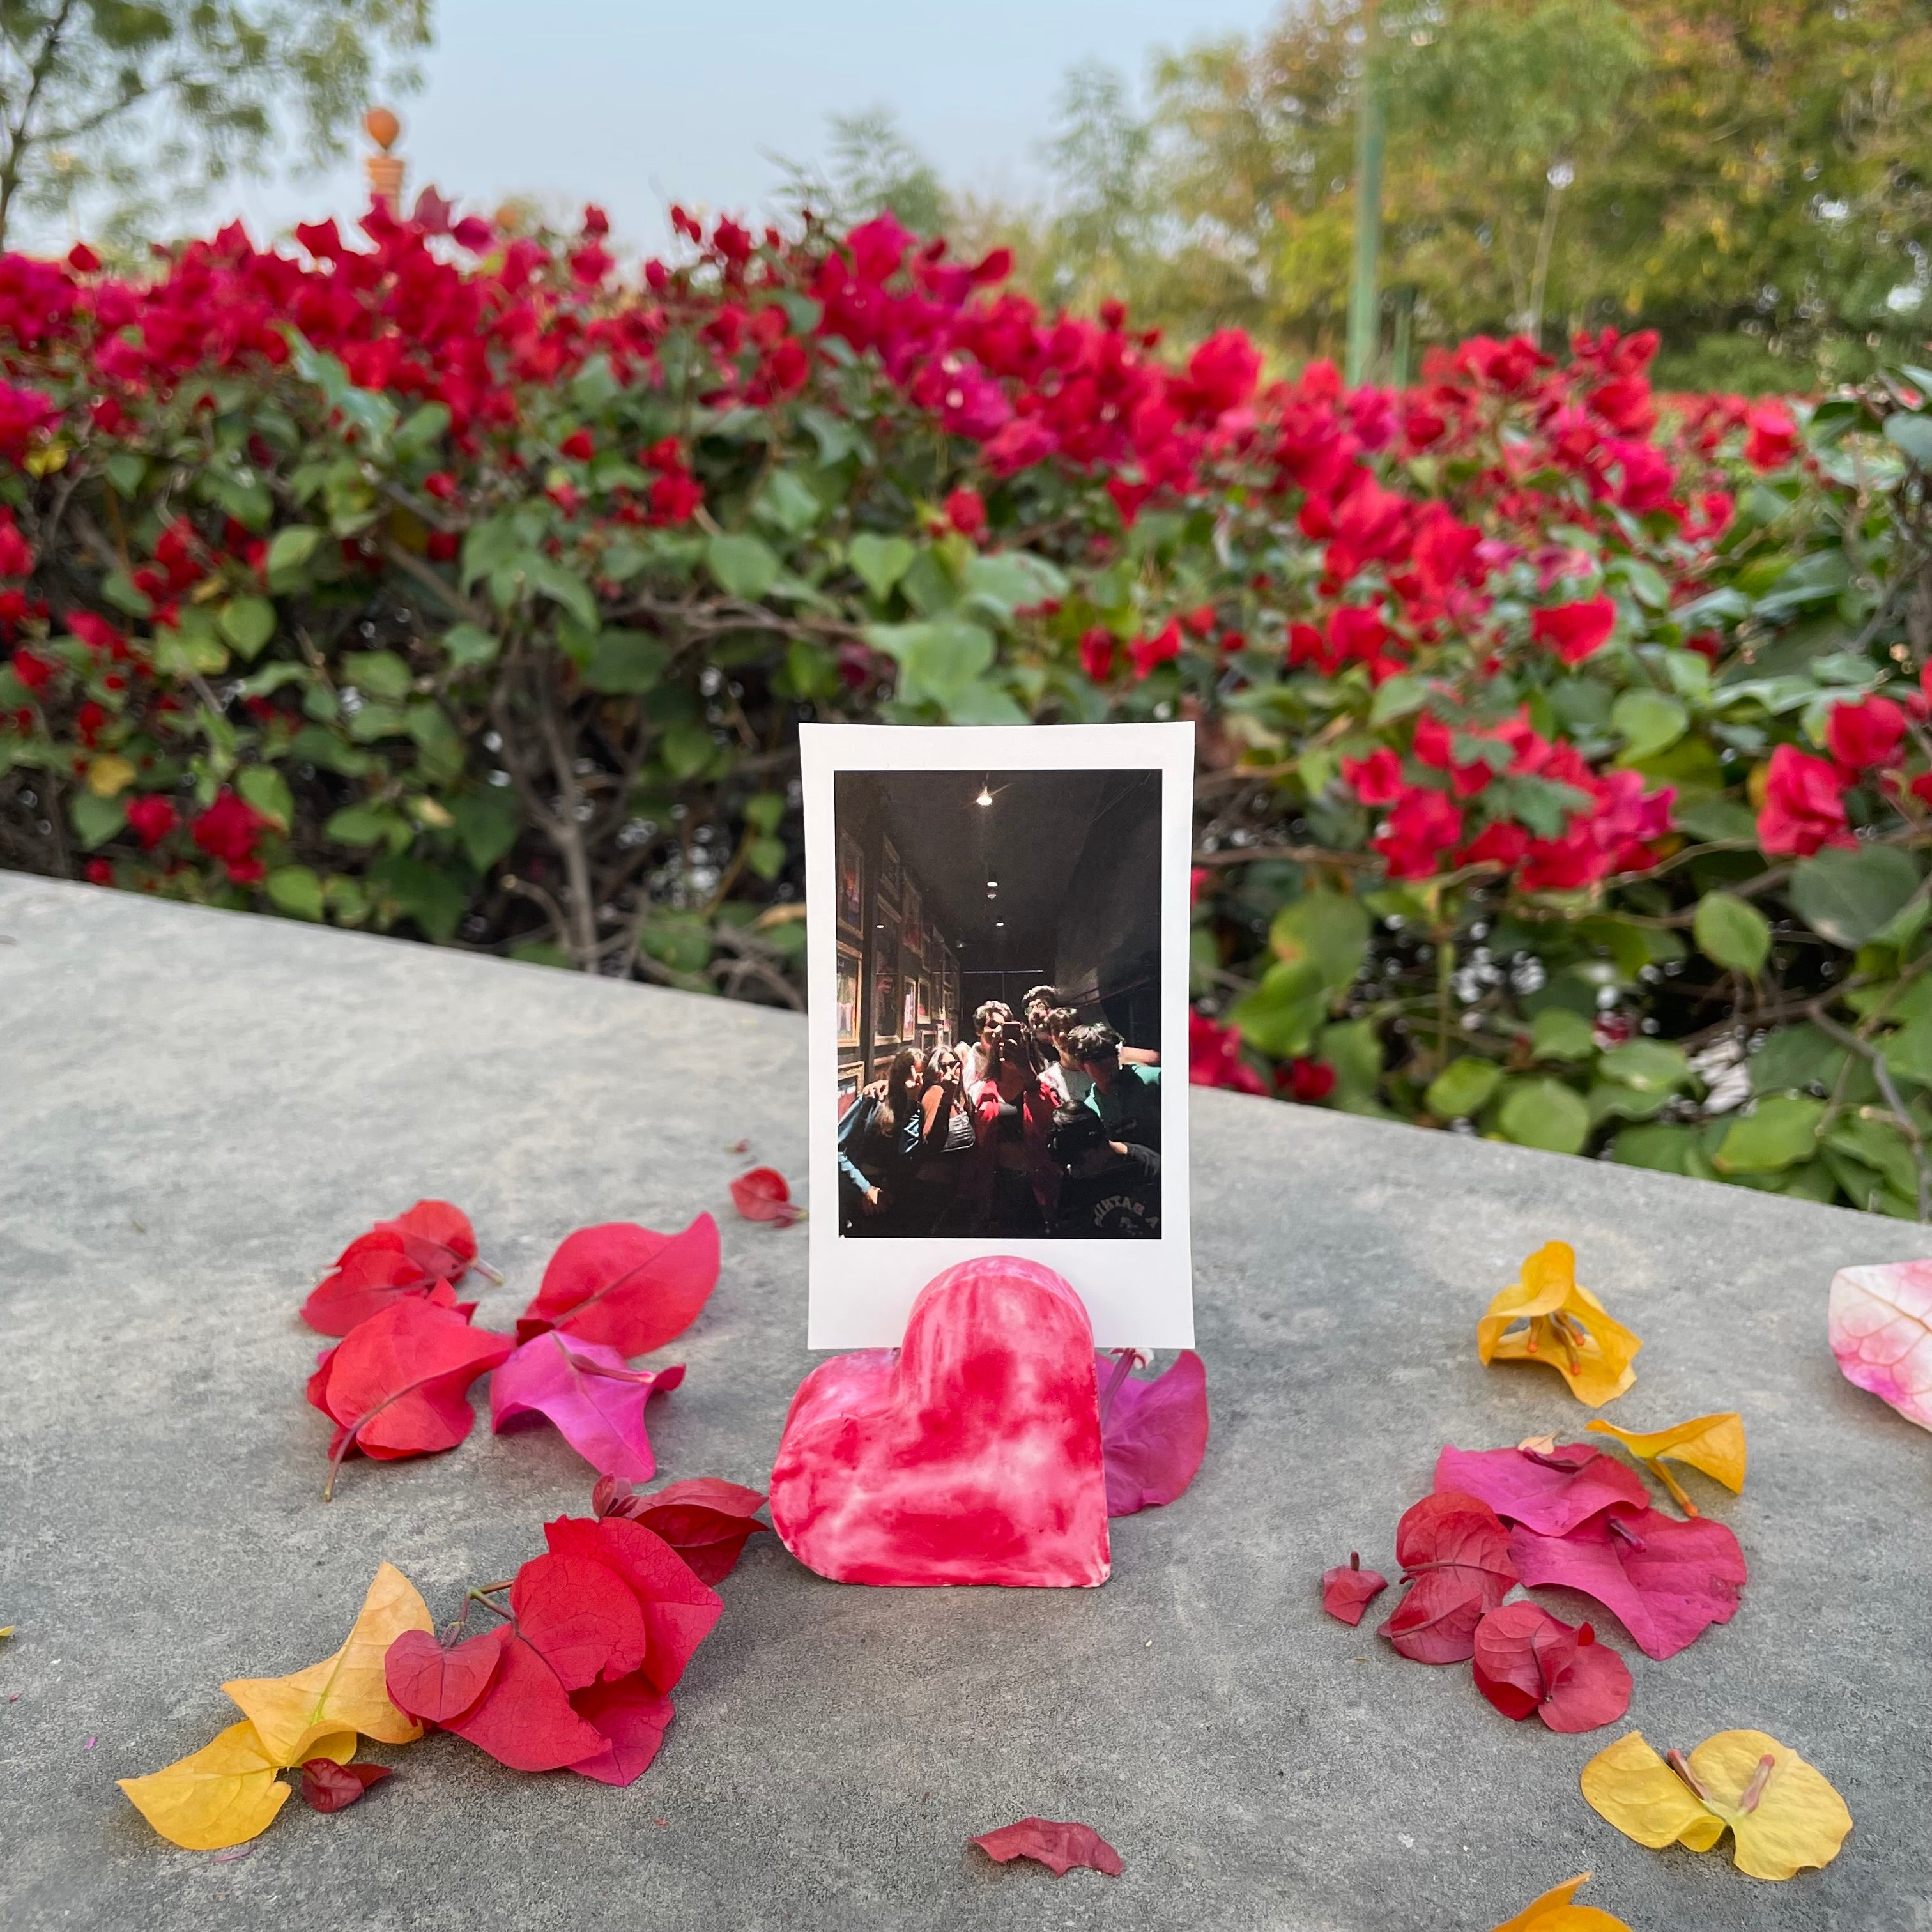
<point x="1124" y="1360"/>
<point x="1655" y="1465"/>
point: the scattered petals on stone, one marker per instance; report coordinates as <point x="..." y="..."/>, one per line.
<point x="346" y="1692"/>
<point x="1059" y="1847"/>
<point x="224" y="1794"/>
<point x="1714" y="1444"/>
<point x="438" y="1682"/>
<point x="595" y="1398"/>
<point x="1552" y="1912"/>
<point x="764" y="1194"/>
<point x="327" y="1785"/>
<point x="1348" y="1590"/>
<point x="706" y="1520"/>
<point x="1783" y="1814"/>
<point x="1527" y="1660"/>
<point x="1154" y="1433"/>
<point x="629" y="1288"/>
<point x="1455" y="1558"/>
<point x="1667" y="1581"/>
<point x="1551" y="1490"/>
<point x="1879" y="1320"/>
<point x="1547" y="1316"/>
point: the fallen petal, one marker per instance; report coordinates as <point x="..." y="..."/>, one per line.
<point x="1879" y="1320"/>
<point x="1059" y="1847"/>
<point x="1154" y="1434"/>
<point x="327" y="1785"/>
<point x="1348" y="1590"/>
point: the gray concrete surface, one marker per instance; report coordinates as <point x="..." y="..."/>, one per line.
<point x="197" y="1108"/>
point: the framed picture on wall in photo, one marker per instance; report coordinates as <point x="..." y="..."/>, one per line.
<point x="851" y="1077"/>
<point x="851" y="883"/>
<point x="848" y="995"/>
<point x="1087" y="829"/>
<point x="888" y="878"/>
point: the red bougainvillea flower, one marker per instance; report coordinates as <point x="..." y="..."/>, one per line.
<point x="1421" y="828"/>
<point x="1162" y="648"/>
<point x="370" y="1280"/>
<point x="34" y="671"/>
<point x="1348" y="1590"/>
<point x="679" y="1611"/>
<point x="227" y="831"/>
<point x="1456" y="1560"/>
<point x="594" y="1399"/>
<point x="578" y="445"/>
<point x="764" y="1194"/>
<point x="706" y="1520"/>
<point x="1377" y="779"/>
<point x="1575" y="630"/>
<point x="1096" y="653"/>
<point x="1058" y="1846"/>
<point x="966" y="511"/>
<point x="1307" y="1082"/>
<point x="1771" y="440"/>
<point x="1864" y="734"/>
<point x="629" y="1287"/>
<point x="1214" y="1057"/>
<point x="17" y="559"/>
<point x="327" y="1785"/>
<point x="1153" y="1434"/>
<point x="1552" y="1490"/>
<point x="434" y="1235"/>
<point x="1525" y="1660"/>
<point x="1804" y="805"/>
<point x="151" y="818"/>
<point x="1667" y="1581"/>
<point x="397" y="1384"/>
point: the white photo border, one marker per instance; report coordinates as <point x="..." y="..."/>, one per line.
<point x="1137" y="1293"/>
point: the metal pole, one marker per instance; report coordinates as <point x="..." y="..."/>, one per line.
<point x="1364" y="313"/>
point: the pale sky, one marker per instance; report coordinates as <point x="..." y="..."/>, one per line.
<point x="634" y="103"/>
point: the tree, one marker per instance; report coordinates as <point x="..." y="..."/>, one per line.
<point x="127" y="104"/>
<point x="871" y="165"/>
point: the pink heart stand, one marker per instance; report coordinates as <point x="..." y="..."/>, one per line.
<point x="970" y="1454"/>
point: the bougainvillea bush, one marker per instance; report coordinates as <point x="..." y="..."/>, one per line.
<point x="1563" y="770"/>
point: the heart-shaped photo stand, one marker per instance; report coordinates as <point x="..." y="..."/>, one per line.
<point x="969" y="1454"/>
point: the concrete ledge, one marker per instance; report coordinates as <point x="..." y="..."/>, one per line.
<point x="197" y="1108"/>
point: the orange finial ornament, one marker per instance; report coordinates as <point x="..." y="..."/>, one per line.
<point x="385" y="170"/>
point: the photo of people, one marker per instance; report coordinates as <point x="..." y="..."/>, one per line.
<point x="1044" y="1121"/>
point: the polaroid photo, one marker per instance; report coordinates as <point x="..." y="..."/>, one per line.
<point x="998" y="1052"/>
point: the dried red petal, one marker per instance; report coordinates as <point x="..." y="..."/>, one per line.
<point x="1348" y="1590"/>
<point x="764" y="1194"/>
<point x="629" y="1287"/>
<point x="1527" y="1660"/>
<point x="327" y="1785"/>
<point x="1059" y="1847"/>
<point x="1454" y="1553"/>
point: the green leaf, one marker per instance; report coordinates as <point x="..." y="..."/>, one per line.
<point x="247" y="623"/>
<point x="1880" y="1148"/>
<point x="425" y="893"/>
<point x="487" y="822"/>
<point x="291" y="547"/>
<point x="264" y="788"/>
<point x="1648" y="722"/>
<point x="96" y="819"/>
<point x="1731" y="931"/>
<point x="1797" y="1056"/>
<point x="295" y="889"/>
<point x="880" y="561"/>
<point x="938" y="661"/>
<point x="763" y="810"/>
<point x="380" y="674"/>
<point x="788" y="504"/>
<point x="1012" y="581"/>
<point x="1780" y="1132"/>
<point x="360" y="825"/>
<point x="420" y="428"/>
<point x="1545" y="1114"/>
<point x="1557" y="1033"/>
<point x="1717" y="818"/>
<point x="562" y="586"/>
<point x="682" y="944"/>
<point x="743" y="566"/>
<point x="1329" y="929"/>
<point x="1650" y="1065"/>
<point x="1665" y="1148"/>
<point x="686" y="749"/>
<point x="626" y="662"/>
<point x="1912" y="434"/>
<point x="1397" y="697"/>
<point x="379" y="721"/>
<point x="765" y="857"/>
<point x="1463" y="1087"/>
<point x="1848" y="895"/>
<point x="1908" y="1052"/>
<point x="442" y="746"/>
<point x="1280" y="1015"/>
<point x="469" y="646"/>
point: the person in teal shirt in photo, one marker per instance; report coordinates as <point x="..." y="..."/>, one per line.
<point x="1126" y="1097"/>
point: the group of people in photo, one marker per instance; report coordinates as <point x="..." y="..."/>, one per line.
<point x="1040" y="1125"/>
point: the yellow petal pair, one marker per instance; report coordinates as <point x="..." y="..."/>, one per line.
<point x="227" y="1792"/>
<point x="224" y="1794"/>
<point x="1553" y="1912"/>
<point x="1715" y="1444"/>
<point x="1567" y="1327"/>
<point x="1783" y="1814"/>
